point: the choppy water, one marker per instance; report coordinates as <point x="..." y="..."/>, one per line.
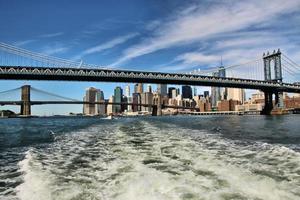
<point x="183" y="157"/>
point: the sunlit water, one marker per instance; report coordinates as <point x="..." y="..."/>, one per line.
<point x="182" y="157"/>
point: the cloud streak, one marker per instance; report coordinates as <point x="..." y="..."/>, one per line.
<point x="24" y="42"/>
<point x="107" y="45"/>
<point x="51" y="35"/>
<point x="198" y="24"/>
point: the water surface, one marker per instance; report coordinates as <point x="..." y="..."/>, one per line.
<point x="180" y="157"/>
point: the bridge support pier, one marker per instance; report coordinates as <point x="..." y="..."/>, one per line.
<point x="279" y="100"/>
<point x="268" y="104"/>
<point x="25" y="98"/>
<point x="269" y="107"/>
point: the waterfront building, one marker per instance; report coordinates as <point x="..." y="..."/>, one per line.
<point x="109" y="106"/>
<point x="258" y="97"/>
<point x="136" y="99"/>
<point x="147" y="98"/>
<point x="179" y="97"/>
<point x="188" y="103"/>
<point x="173" y="102"/>
<point x="236" y="94"/>
<point x="249" y="107"/>
<point x="292" y="102"/>
<point x="100" y="108"/>
<point x="129" y="107"/>
<point x="228" y="105"/>
<point x="92" y="95"/>
<point x="187" y="92"/>
<point x="162" y="89"/>
<point x="207" y="107"/>
<point x="164" y="100"/>
<point x="118" y="94"/>
<point x="124" y="106"/>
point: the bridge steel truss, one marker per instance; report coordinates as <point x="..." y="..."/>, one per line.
<point x="105" y="75"/>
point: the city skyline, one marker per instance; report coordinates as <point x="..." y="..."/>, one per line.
<point x="111" y="35"/>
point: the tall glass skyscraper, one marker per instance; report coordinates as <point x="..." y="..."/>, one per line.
<point x="162" y="89"/>
<point x="216" y="92"/>
<point x="118" y="94"/>
<point x="92" y="95"/>
<point x="187" y="92"/>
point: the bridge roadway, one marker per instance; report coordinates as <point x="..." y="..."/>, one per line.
<point x="19" y="103"/>
<point x="107" y="75"/>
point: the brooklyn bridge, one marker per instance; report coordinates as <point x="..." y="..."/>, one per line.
<point x="273" y="74"/>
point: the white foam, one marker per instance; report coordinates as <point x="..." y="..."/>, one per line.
<point x="208" y="167"/>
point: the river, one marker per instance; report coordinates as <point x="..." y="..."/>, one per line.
<point x="177" y="157"/>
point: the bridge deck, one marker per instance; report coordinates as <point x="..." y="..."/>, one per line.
<point x="104" y="75"/>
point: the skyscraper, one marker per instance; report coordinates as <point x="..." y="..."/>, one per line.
<point x="129" y="107"/>
<point x="222" y="72"/>
<point x="100" y="108"/>
<point x="174" y="94"/>
<point x="216" y="92"/>
<point x="236" y="94"/>
<point x="118" y="93"/>
<point x="162" y="89"/>
<point x="136" y="88"/>
<point x="195" y="91"/>
<point x="149" y="88"/>
<point x="110" y="106"/>
<point x="206" y="94"/>
<point x="171" y="93"/>
<point x="146" y="98"/>
<point x="136" y="99"/>
<point x="127" y="90"/>
<point x="139" y="88"/>
<point x="92" y="95"/>
<point x="187" y="92"/>
<point x="223" y="91"/>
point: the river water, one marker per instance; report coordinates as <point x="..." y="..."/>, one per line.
<point x="179" y="157"/>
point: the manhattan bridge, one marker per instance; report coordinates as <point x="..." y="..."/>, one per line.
<point x="273" y="74"/>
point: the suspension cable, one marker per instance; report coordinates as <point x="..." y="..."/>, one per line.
<point x="54" y="95"/>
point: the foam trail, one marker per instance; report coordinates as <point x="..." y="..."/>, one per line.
<point x="146" y="159"/>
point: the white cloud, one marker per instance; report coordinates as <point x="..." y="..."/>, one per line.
<point x="51" y="35"/>
<point x="54" y="50"/>
<point x="24" y="42"/>
<point x="197" y="58"/>
<point x="197" y="24"/>
<point x="107" y="45"/>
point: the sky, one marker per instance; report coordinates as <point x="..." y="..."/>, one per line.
<point x="153" y="35"/>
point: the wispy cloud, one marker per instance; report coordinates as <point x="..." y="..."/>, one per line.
<point x="198" y="24"/>
<point x="51" y="35"/>
<point x="56" y="48"/>
<point x="107" y="45"/>
<point x="23" y="42"/>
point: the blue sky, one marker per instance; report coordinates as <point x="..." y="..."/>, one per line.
<point x="169" y="35"/>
